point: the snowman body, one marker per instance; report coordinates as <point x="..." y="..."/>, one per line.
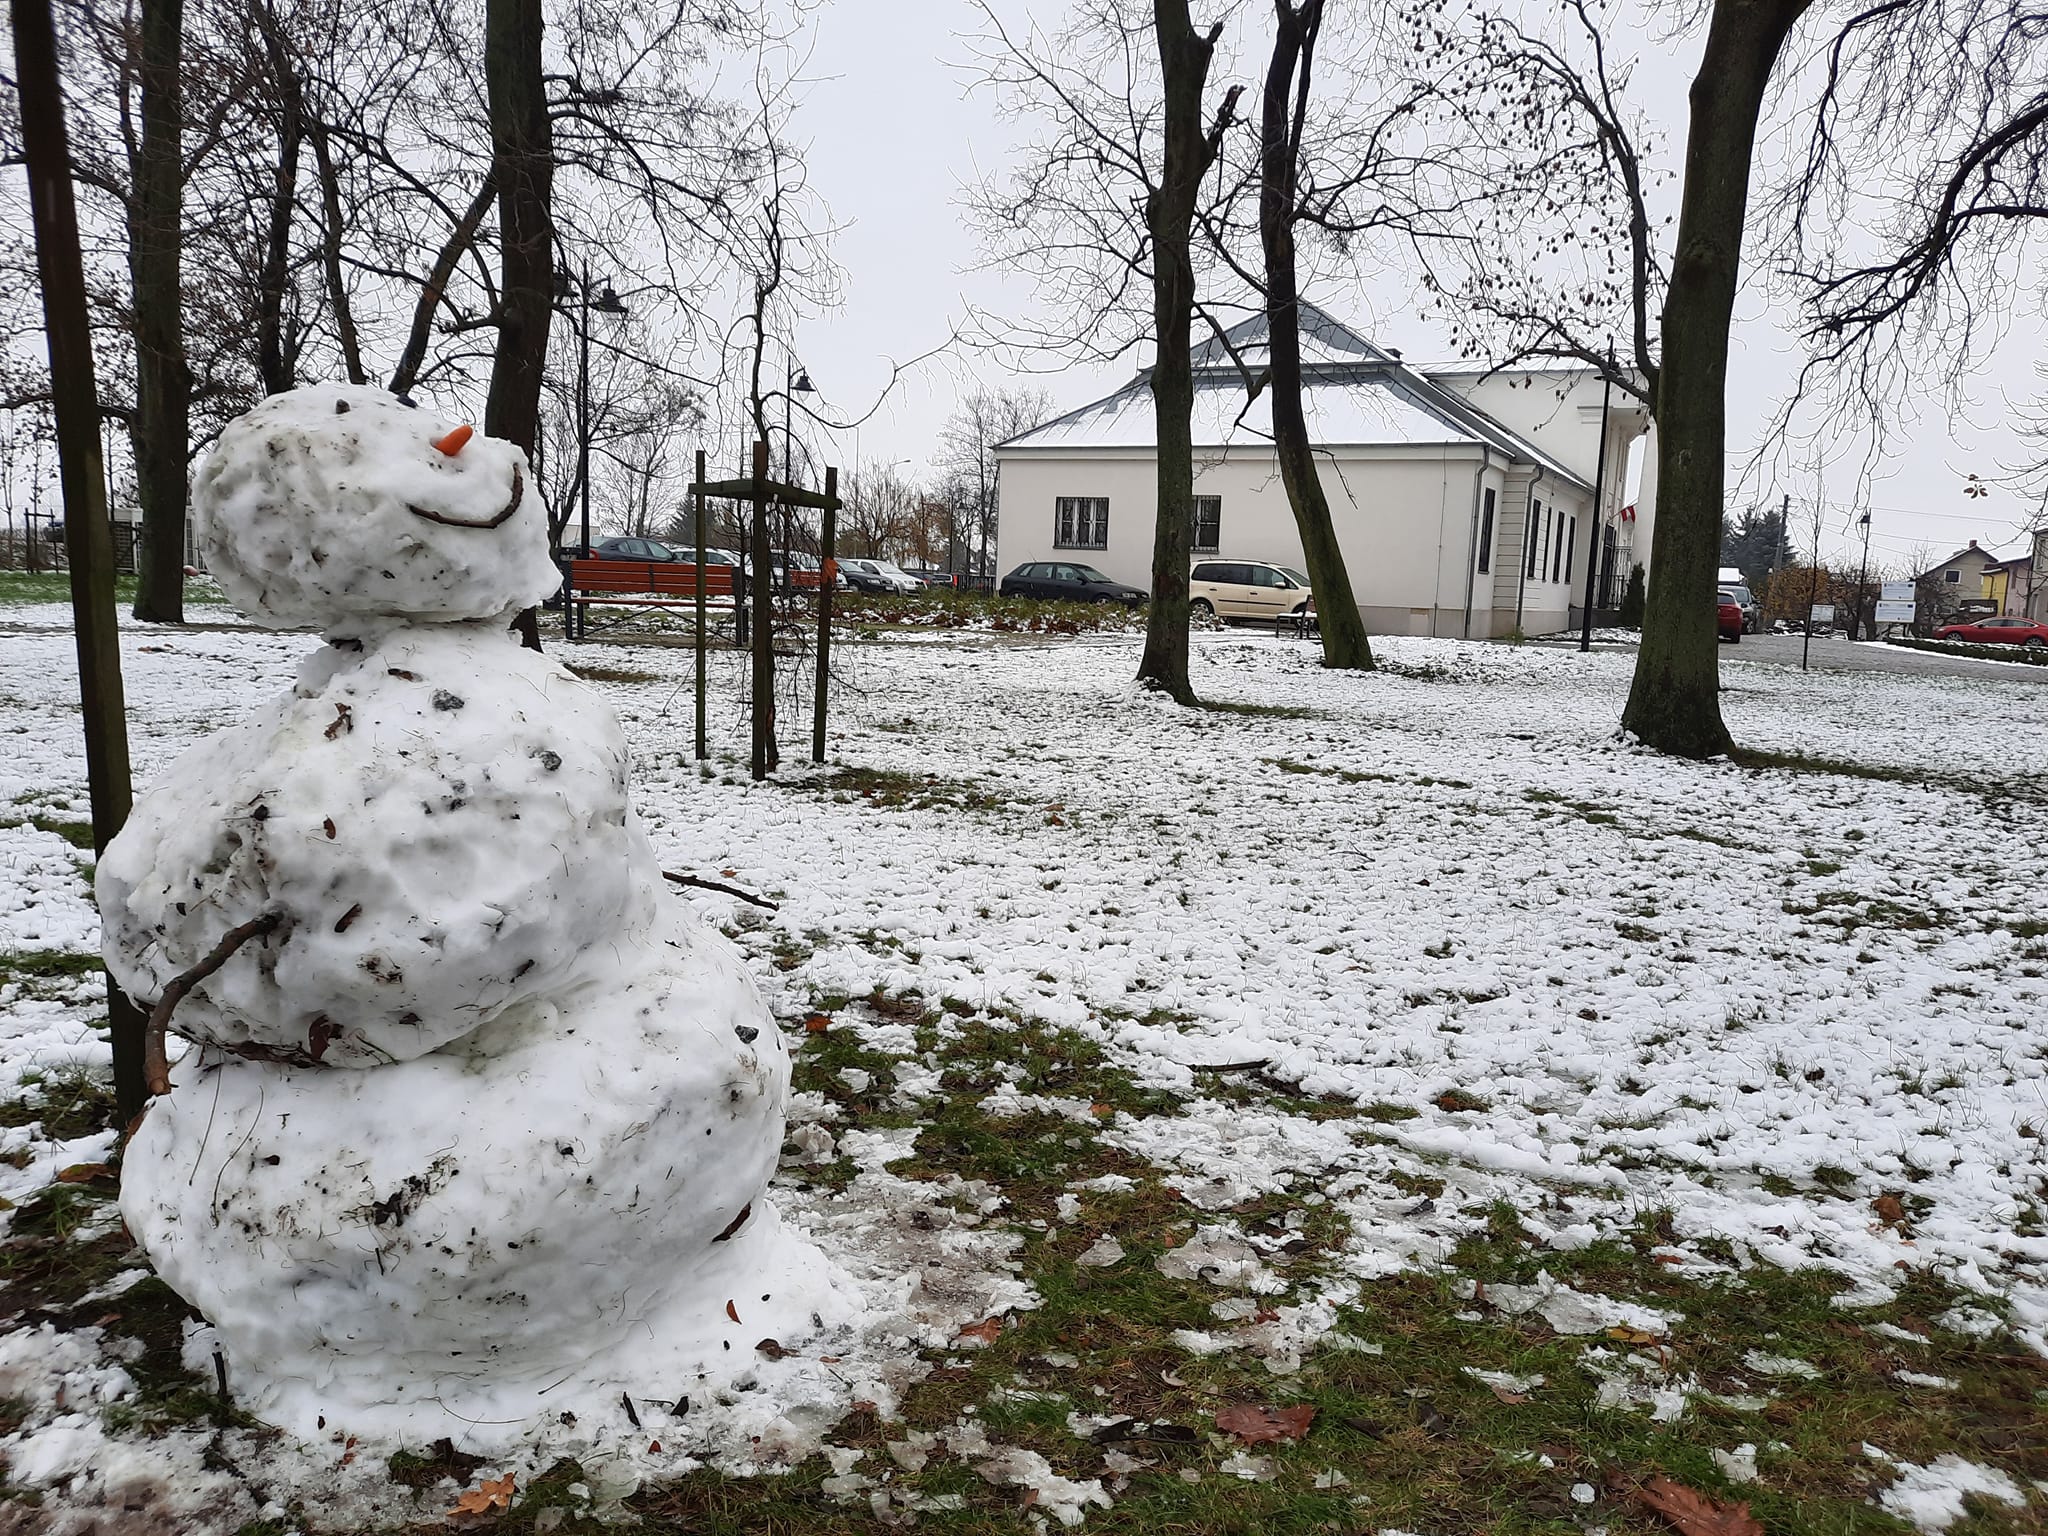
<point x="477" y="1139"/>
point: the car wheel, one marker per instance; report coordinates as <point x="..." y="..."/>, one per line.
<point x="1203" y="606"/>
<point x="1736" y="638"/>
<point x="2032" y="640"/>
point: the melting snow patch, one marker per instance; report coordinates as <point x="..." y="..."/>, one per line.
<point x="1922" y="1379"/>
<point x="1067" y="1501"/>
<point x="1101" y="1254"/>
<point x="1504" y="1381"/>
<point x="1566" y="1310"/>
<point x="1784" y="1367"/>
<point x="1738" y="1465"/>
<point x="1931" y="1497"/>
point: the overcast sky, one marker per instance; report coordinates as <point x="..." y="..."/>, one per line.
<point x="895" y="130"/>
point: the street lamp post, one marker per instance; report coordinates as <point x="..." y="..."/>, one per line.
<point x="606" y="303"/>
<point x="1862" y="575"/>
<point x="799" y="383"/>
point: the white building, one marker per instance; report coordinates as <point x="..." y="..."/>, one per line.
<point x="1462" y="497"/>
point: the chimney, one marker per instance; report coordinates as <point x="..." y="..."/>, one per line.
<point x="1973" y="543"/>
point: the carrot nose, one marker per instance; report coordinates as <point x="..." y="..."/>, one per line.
<point x="452" y="444"/>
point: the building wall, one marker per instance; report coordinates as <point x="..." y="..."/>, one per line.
<point x="1405" y="521"/>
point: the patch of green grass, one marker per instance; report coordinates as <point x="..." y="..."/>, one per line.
<point x="894" y="789"/>
<point x="1266" y="711"/>
<point x="70" y="1102"/>
<point x="597" y="674"/>
<point x="45" y="964"/>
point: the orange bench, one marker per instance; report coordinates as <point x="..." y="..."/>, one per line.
<point x="642" y="584"/>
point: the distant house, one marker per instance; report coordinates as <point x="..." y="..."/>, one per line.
<point x="1957" y="584"/>
<point x="2010" y="584"/>
<point x="1462" y="497"/>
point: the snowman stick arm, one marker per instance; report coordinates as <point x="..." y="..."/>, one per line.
<point x="156" y="1070"/>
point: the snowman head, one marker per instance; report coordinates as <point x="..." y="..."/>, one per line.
<point x="339" y="506"/>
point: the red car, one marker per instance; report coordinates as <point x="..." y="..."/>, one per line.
<point x="1729" y="621"/>
<point x="1996" y="632"/>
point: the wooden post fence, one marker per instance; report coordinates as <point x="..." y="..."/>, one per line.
<point x="826" y="538"/>
<point x="702" y="751"/>
<point x="764" y="624"/>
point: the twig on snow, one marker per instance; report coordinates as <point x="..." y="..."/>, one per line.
<point x="724" y="890"/>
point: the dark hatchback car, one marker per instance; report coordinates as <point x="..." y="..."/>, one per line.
<point x="625" y="549"/>
<point x="1070" y="582"/>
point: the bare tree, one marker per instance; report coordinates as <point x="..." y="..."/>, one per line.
<point x="1103" y="214"/>
<point x="1283" y="119"/>
<point x="966" y="461"/>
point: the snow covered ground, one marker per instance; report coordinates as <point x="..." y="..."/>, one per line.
<point x="1800" y="1011"/>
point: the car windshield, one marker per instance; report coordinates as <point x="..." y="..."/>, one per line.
<point x="883" y="567"/>
<point x="1089" y="573"/>
<point x="1292" y="575"/>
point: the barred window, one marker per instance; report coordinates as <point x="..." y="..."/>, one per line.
<point x="1080" y="522"/>
<point x="1208" y="524"/>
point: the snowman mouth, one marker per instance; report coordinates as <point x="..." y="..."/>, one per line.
<point x="518" y="490"/>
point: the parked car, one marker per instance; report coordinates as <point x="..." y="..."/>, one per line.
<point x="1752" y="611"/>
<point x="643" y="550"/>
<point x="1066" y="580"/>
<point x="1995" y="631"/>
<point x="711" y="556"/>
<point x="1730" y="618"/>
<point x="807" y="567"/>
<point x="879" y="576"/>
<point x="1246" y="589"/>
<point x="931" y="577"/>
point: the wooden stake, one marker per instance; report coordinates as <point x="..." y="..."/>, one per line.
<point x="825" y="542"/>
<point x="764" y="624"/>
<point x="702" y="571"/>
<point x="87" y="538"/>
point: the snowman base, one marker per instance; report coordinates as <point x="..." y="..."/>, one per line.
<point x="502" y="1237"/>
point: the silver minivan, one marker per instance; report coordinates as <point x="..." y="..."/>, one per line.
<point x="1246" y="589"/>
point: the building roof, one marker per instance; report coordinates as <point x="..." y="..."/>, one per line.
<point x="1972" y="548"/>
<point x="1355" y="395"/>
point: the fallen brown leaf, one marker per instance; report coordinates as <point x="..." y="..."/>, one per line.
<point x="85" y="1173"/>
<point x="1255" y="1424"/>
<point x="1512" y="1399"/>
<point x="1890" y="1209"/>
<point x="490" y="1494"/>
<point x="985" y="1331"/>
<point x="817" y="1024"/>
<point x="732" y="1311"/>
<point x="1628" y="1335"/>
<point x="1692" y="1513"/>
<point x="773" y="1350"/>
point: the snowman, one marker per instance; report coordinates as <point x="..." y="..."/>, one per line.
<point x="475" y="1127"/>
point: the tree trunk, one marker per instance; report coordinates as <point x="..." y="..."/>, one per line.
<point x="1186" y="155"/>
<point x="74" y="399"/>
<point x="330" y="253"/>
<point x="163" y="382"/>
<point x="1344" y="639"/>
<point x="274" y="367"/>
<point x="1674" y="704"/>
<point x="522" y="155"/>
